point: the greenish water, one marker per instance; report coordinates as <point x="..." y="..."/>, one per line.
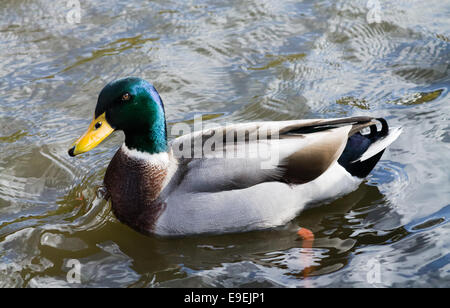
<point x="233" y="61"/>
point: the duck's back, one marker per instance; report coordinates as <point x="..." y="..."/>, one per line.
<point x="302" y="163"/>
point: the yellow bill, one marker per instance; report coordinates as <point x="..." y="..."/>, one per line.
<point x="98" y="130"/>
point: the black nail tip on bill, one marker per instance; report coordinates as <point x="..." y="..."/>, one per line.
<point x="71" y="150"/>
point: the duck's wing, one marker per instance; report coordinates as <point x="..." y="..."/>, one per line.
<point x="242" y="155"/>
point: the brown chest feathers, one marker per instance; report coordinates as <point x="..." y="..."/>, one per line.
<point x="134" y="186"/>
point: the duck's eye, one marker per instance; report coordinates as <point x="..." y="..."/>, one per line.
<point x="97" y="125"/>
<point x="126" y="97"/>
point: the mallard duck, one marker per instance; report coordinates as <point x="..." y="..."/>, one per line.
<point x="262" y="179"/>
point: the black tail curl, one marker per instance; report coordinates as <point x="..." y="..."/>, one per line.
<point x="357" y="144"/>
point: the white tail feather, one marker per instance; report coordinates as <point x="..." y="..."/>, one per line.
<point x="381" y="144"/>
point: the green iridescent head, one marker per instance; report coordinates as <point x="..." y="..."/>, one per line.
<point x="134" y="106"/>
